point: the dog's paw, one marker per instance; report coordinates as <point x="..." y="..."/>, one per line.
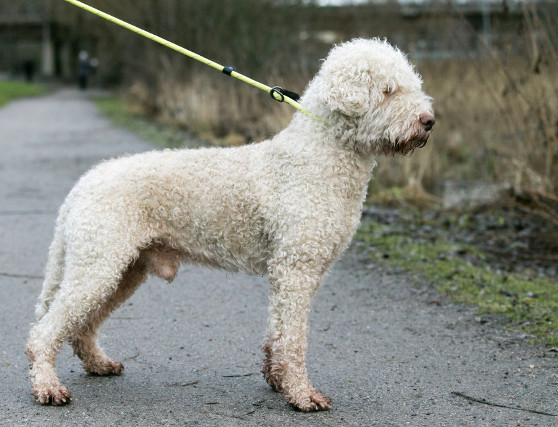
<point x="105" y="367"/>
<point x="312" y="401"/>
<point x="52" y="395"/>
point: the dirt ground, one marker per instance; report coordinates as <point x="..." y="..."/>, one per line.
<point x="515" y="235"/>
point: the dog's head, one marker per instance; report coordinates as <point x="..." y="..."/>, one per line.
<point x="372" y="98"/>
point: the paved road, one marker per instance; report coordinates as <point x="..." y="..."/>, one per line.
<point x="378" y="345"/>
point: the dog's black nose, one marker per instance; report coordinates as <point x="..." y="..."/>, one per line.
<point x="427" y="121"/>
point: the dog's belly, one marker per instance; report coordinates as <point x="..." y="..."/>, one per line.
<point x="233" y="246"/>
<point x="163" y="259"/>
<point x="248" y="259"/>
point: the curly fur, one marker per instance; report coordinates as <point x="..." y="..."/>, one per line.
<point x="287" y="207"/>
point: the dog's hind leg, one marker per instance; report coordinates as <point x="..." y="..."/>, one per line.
<point x="84" y="341"/>
<point x="86" y="286"/>
<point x="158" y="259"/>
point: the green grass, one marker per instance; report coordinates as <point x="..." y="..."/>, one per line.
<point x="528" y="303"/>
<point x="10" y="90"/>
<point x="120" y="115"/>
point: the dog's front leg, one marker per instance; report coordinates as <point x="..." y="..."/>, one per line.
<point x="286" y="339"/>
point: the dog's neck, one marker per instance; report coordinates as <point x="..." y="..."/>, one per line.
<point x="317" y="149"/>
<point x="330" y="137"/>
<point x="336" y="128"/>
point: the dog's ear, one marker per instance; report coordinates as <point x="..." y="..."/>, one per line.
<point x="346" y="88"/>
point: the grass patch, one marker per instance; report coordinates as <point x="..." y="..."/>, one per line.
<point x="10" y="90"/>
<point x="120" y="115"/>
<point x="528" y="303"/>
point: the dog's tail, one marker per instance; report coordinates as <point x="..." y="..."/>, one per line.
<point x="54" y="271"/>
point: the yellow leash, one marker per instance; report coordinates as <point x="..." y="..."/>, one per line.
<point x="277" y="93"/>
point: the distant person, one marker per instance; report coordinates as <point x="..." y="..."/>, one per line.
<point x="83" y="69"/>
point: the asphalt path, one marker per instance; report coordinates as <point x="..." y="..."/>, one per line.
<point x="382" y="344"/>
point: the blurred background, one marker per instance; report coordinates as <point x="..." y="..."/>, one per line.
<point x="490" y="65"/>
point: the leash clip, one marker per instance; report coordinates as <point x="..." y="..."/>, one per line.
<point x="282" y="93"/>
<point x="277" y="90"/>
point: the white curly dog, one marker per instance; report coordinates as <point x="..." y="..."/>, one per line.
<point x="287" y="207"/>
